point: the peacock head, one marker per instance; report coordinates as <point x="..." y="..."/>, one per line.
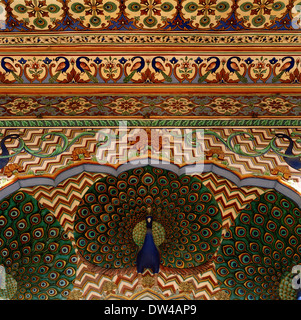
<point x="149" y="218"/>
<point x="282" y="135"/>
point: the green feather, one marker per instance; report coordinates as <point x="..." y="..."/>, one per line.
<point x="203" y="77"/>
<point x="166" y="77"/>
<point x="129" y="77"/>
<point x="275" y="79"/>
<point x="241" y="78"/>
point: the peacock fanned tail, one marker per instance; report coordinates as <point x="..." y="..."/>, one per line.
<point x="35" y="250"/>
<point x="110" y="222"/>
<point x="260" y="248"/>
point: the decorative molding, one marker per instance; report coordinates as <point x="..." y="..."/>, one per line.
<point x="148" y="106"/>
<point x="121" y="38"/>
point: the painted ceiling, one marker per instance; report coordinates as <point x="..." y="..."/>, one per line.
<point x="70" y="69"/>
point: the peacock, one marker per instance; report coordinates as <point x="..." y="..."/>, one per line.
<point x="9" y="68"/>
<point x="256" y="256"/>
<point x="4" y="151"/>
<point x="61" y="68"/>
<point x="137" y="67"/>
<point x="149" y="255"/>
<point x="292" y="162"/>
<point x="234" y="68"/>
<point x="158" y="67"/>
<point x="84" y="68"/>
<point x="115" y="232"/>
<point x="34" y="250"/>
<point x="211" y="68"/>
<point x="286" y="67"/>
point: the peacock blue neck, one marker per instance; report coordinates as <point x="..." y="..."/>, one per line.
<point x="149" y="222"/>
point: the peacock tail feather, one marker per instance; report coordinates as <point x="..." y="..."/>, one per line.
<point x="91" y="77"/>
<point x="129" y="77"/>
<point x="34" y="250"/>
<point x="276" y="78"/>
<point x="165" y="76"/>
<point x="18" y="78"/>
<point x="240" y="77"/>
<point x="260" y="248"/>
<point x="54" y="77"/>
<point x="110" y="221"/>
<point x="203" y="77"/>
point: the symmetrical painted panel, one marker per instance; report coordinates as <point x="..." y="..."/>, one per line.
<point x="169" y="15"/>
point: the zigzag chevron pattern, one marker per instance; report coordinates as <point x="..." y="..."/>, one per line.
<point x="62" y="200"/>
<point x="49" y="166"/>
<point x="230" y="198"/>
<point x="91" y="285"/>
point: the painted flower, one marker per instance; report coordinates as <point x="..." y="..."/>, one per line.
<point x="97" y="60"/>
<point x="74" y="106"/>
<point x="249" y="61"/>
<point x="198" y="60"/>
<point x="21" y="106"/>
<point x="225" y="106"/>
<point x="47" y="60"/>
<point x="122" y="60"/>
<point x="178" y="106"/>
<point x="277" y="105"/>
<point x="273" y="61"/>
<point x="125" y="106"/>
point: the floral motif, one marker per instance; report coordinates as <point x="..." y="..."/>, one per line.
<point x="38" y="13"/>
<point x="275" y="105"/>
<point x="125" y="105"/>
<point x="205" y="13"/>
<point x="94" y="13"/>
<point x="74" y="106"/>
<point x="225" y="106"/>
<point x="20" y="106"/>
<point x="178" y="106"/>
<point x="154" y="13"/>
<point x="259" y="13"/>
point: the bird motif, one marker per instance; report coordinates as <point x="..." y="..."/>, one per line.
<point x="5" y="153"/>
<point x="115" y="232"/>
<point x="292" y="162"/>
<point x="158" y="67"/>
<point x="233" y="68"/>
<point x="148" y="256"/>
<point x="35" y="250"/>
<point x="211" y="68"/>
<point x="9" y="68"/>
<point x="83" y="67"/>
<point x="61" y="68"/>
<point x="260" y="248"/>
<point x="286" y="67"/>
<point x="137" y="67"/>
